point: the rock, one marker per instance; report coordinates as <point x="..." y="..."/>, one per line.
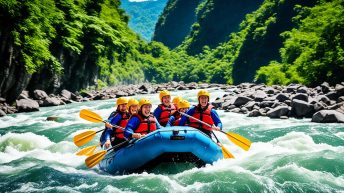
<point x="218" y="103"/>
<point x="262" y="112"/>
<point x="67" y="101"/>
<point x="284" y="117"/>
<point x="2" y="100"/>
<point x="302" y="89"/>
<point x="282" y="97"/>
<point x="266" y="104"/>
<point x="241" y="100"/>
<point x="325" y="87"/>
<point x="319" y="106"/>
<point x="301" y="96"/>
<point x="301" y="108"/>
<point x="66" y="94"/>
<point x="273" y="98"/>
<point x="39" y="95"/>
<point x="328" y="116"/>
<point x="259" y="95"/>
<point x="86" y="94"/>
<point x="121" y="94"/>
<point x="51" y="101"/>
<point x="52" y="118"/>
<point x="292" y="88"/>
<point x="323" y="98"/>
<point x="270" y="91"/>
<point x="25" y="94"/>
<point x="278" y="112"/>
<point x="250" y="105"/>
<point x="339" y="90"/>
<point x="332" y="95"/>
<point x="144" y="88"/>
<point x="340" y="99"/>
<point x="27" y="105"/>
<point x="287" y="102"/>
<point x="235" y="110"/>
<point x="181" y="87"/>
<point x="244" y="110"/>
<point x="254" y="113"/>
<point x="2" y="113"/>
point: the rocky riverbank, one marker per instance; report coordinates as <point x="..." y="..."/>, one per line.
<point x="324" y="103"/>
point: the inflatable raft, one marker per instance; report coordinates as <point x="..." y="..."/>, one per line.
<point x="172" y="144"/>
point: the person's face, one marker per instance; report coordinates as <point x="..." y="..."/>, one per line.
<point x="123" y="107"/>
<point x="133" y="109"/>
<point x="146" y="109"/>
<point x="183" y="110"/>
<point x="203" y="100"/>
<point x="166" y="100"/>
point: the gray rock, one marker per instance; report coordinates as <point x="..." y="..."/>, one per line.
<point x="266" y="104"/>
<point x="302" y="89"/>
<point x="52" y="118"/>
<point x="121" y="94"/>
<point x="282" y="97"/>
<point x="287" y="102"/>
<point x="51" y="101"/>
<point x="181" y="87"/>
<point x="241" y="100"/>
<point x="27" y="105"/>
<point x="259" y="95"/>
<point x="2" y="113"/>
<point x="332" y="95"/>
<point x="325" y="87"/>
<point x="292" y="88"/>
<point x="339" y="90"/>
<point x="235" y="110"/>
<point x="254" y="113"/>
<point x="319" y="106"/>
<point x="270" y="91"/>
<point x="2" y="100"/>
<point x="218" y="103"/>
<point x="250" y="105"/>
<point x="323" y="98"/>
<point x="66" y="94"/>
<point x="301" y="96"/>
<point x="39" y="95"/>
<point x="340" y="99"/>
<point x="278" y="112"/>
<point x="301" y="108"/>
<point x="244" y="110"/>
<point x="86" y="94"/>
<point x="328" y="116"/>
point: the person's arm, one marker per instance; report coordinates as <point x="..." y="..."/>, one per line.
<point x="116" y="119"/>
<point x="170" y="121"/>
<point x="216" y="119"/>
<point x="157" y="112"/>
<point x="184" y="119"/>
<point x="131" y="127"/>
<point x="158" y="126"/>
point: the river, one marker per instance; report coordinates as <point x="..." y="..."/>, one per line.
<point x="289" y="155"/>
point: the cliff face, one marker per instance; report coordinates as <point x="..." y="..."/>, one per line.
<point x="175" y="22"/>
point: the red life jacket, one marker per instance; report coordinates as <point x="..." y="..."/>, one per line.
<point x="147" y="124"/>
<point x="177" y="118"/>
<point x="166" y="112"/>
<point x="203" y="115"/>
<point x="119" y="133"/>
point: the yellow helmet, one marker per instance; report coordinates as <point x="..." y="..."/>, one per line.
<point x="176" y="99"/>
<point x="121" y="101"/>
<point x="183" y="104"/>
<point x="132" y="101"/>
<point x="164" y="93"/>
<point x="144" y="101"/>
<point x="203" y="93"/>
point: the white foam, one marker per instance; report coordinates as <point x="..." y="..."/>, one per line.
<point x="24" y="141"/>
<point x="15" y="169"/>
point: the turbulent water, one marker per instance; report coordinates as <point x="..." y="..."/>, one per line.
<point x="286" y="156"/>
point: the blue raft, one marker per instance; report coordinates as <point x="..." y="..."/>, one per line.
<point x="172" y="144"/>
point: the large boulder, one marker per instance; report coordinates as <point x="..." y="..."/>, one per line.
<point x="302" y="89"/>
<point x="325" y="87"/>
<point x="278" y="112"/>
<point x="254" y="113"/>
<point x="332" y="95"/>
<point x="2" y="113"/>
<point x="51" y="101"/>
<point x="339" y="90"/>
<point x="259" y="95"/>
<point x="282" y="97"/>
<point x="241" y="100"/>
<point x="301" y="96"/>
<point x="66" y="94"/>
<point x="301" y="108"/>
<point x="27" y="105"/>
<point x="328" y="116"/>
<point x="39" y="94"/>
<point x="121" y="93"/>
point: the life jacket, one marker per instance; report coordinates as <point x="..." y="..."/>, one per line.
<point x="203" y="115"/>
<point x="166" y="112"/>
<point x="119" y="133"/>
<point x="147" y="124"/>
<point x="177" y="117"/>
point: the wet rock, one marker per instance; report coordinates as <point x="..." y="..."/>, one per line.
<point x="250" y="105"/>
<point x="282" y="97"/>
<point x="323" y="98"/>
<point x="51" y="101"/>
<point x="39" y="95"/>
<point x="270" y="91"/>
<point x="241" y="100"/>
<point x="27" y="105"/>
<point x="87" y="94"/>
<point x="332" y="95"/>
<point x="301" y="108"/>
<point x="278" y="112"/>
<point x="218" y="103"/>
<point x="319" y="106"/>
<point x="235" y="110"/>
<point x="325" y="87"/>
<point x="259" y="95"/>
<point x="52" y="118"/>
<point x="340" y="99"/>
<point x="339" y="90"/>
<point x="2" y="113"/>
<point x="301" y="96"/>
<point x="302" y="89"/>
<point x="254" y="113"/>
<point x="292" y="88"/>
<point x="328" y="116"/>
<point x="66" y="94"/>
<point x="266" y="104"/>
<point x="244" y="110"/>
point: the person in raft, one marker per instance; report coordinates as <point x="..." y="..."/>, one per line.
<point x="204" y="112"/>
<point x="120" y="117"/>
<point x="143" y="122"/>
<point x="165" y="109"/>
<point x="176" y="100"/>
<point x="133" y="106"/>
<point x="183" y="106"/>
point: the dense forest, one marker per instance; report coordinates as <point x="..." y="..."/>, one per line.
<point x="75" y="44"/>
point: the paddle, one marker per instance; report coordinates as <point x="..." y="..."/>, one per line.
<point x="88" y="150"/>
<point x="226" y="154"/>
<point x="94" y="159"/>
<point x="88" y="135"/>
<point x="235" y="138"/>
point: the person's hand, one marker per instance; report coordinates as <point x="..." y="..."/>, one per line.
<point x="107" y="143"/>
<point x="108" y="125"/>
<point x="215" y="128"/>
<point x="136" y="135"/>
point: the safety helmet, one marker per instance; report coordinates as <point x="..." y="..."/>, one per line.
<point x="132" y="101"/>
<point x="164" y="93"/>
<point x="203" y="93"/>
<point x="183" y="104"/>
<point x="144" y="101"/>
<point x="176" y="99"/>
<point x="121" y="101"/>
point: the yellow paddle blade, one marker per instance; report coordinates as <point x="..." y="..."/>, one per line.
<point x="88" y="150"/>
<point x="239" y="140"/>
<point x="84" y="137"/>
<point x="226" y="153"/>
<point x="95" y="159"/>
<point x="90" y="116"/>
